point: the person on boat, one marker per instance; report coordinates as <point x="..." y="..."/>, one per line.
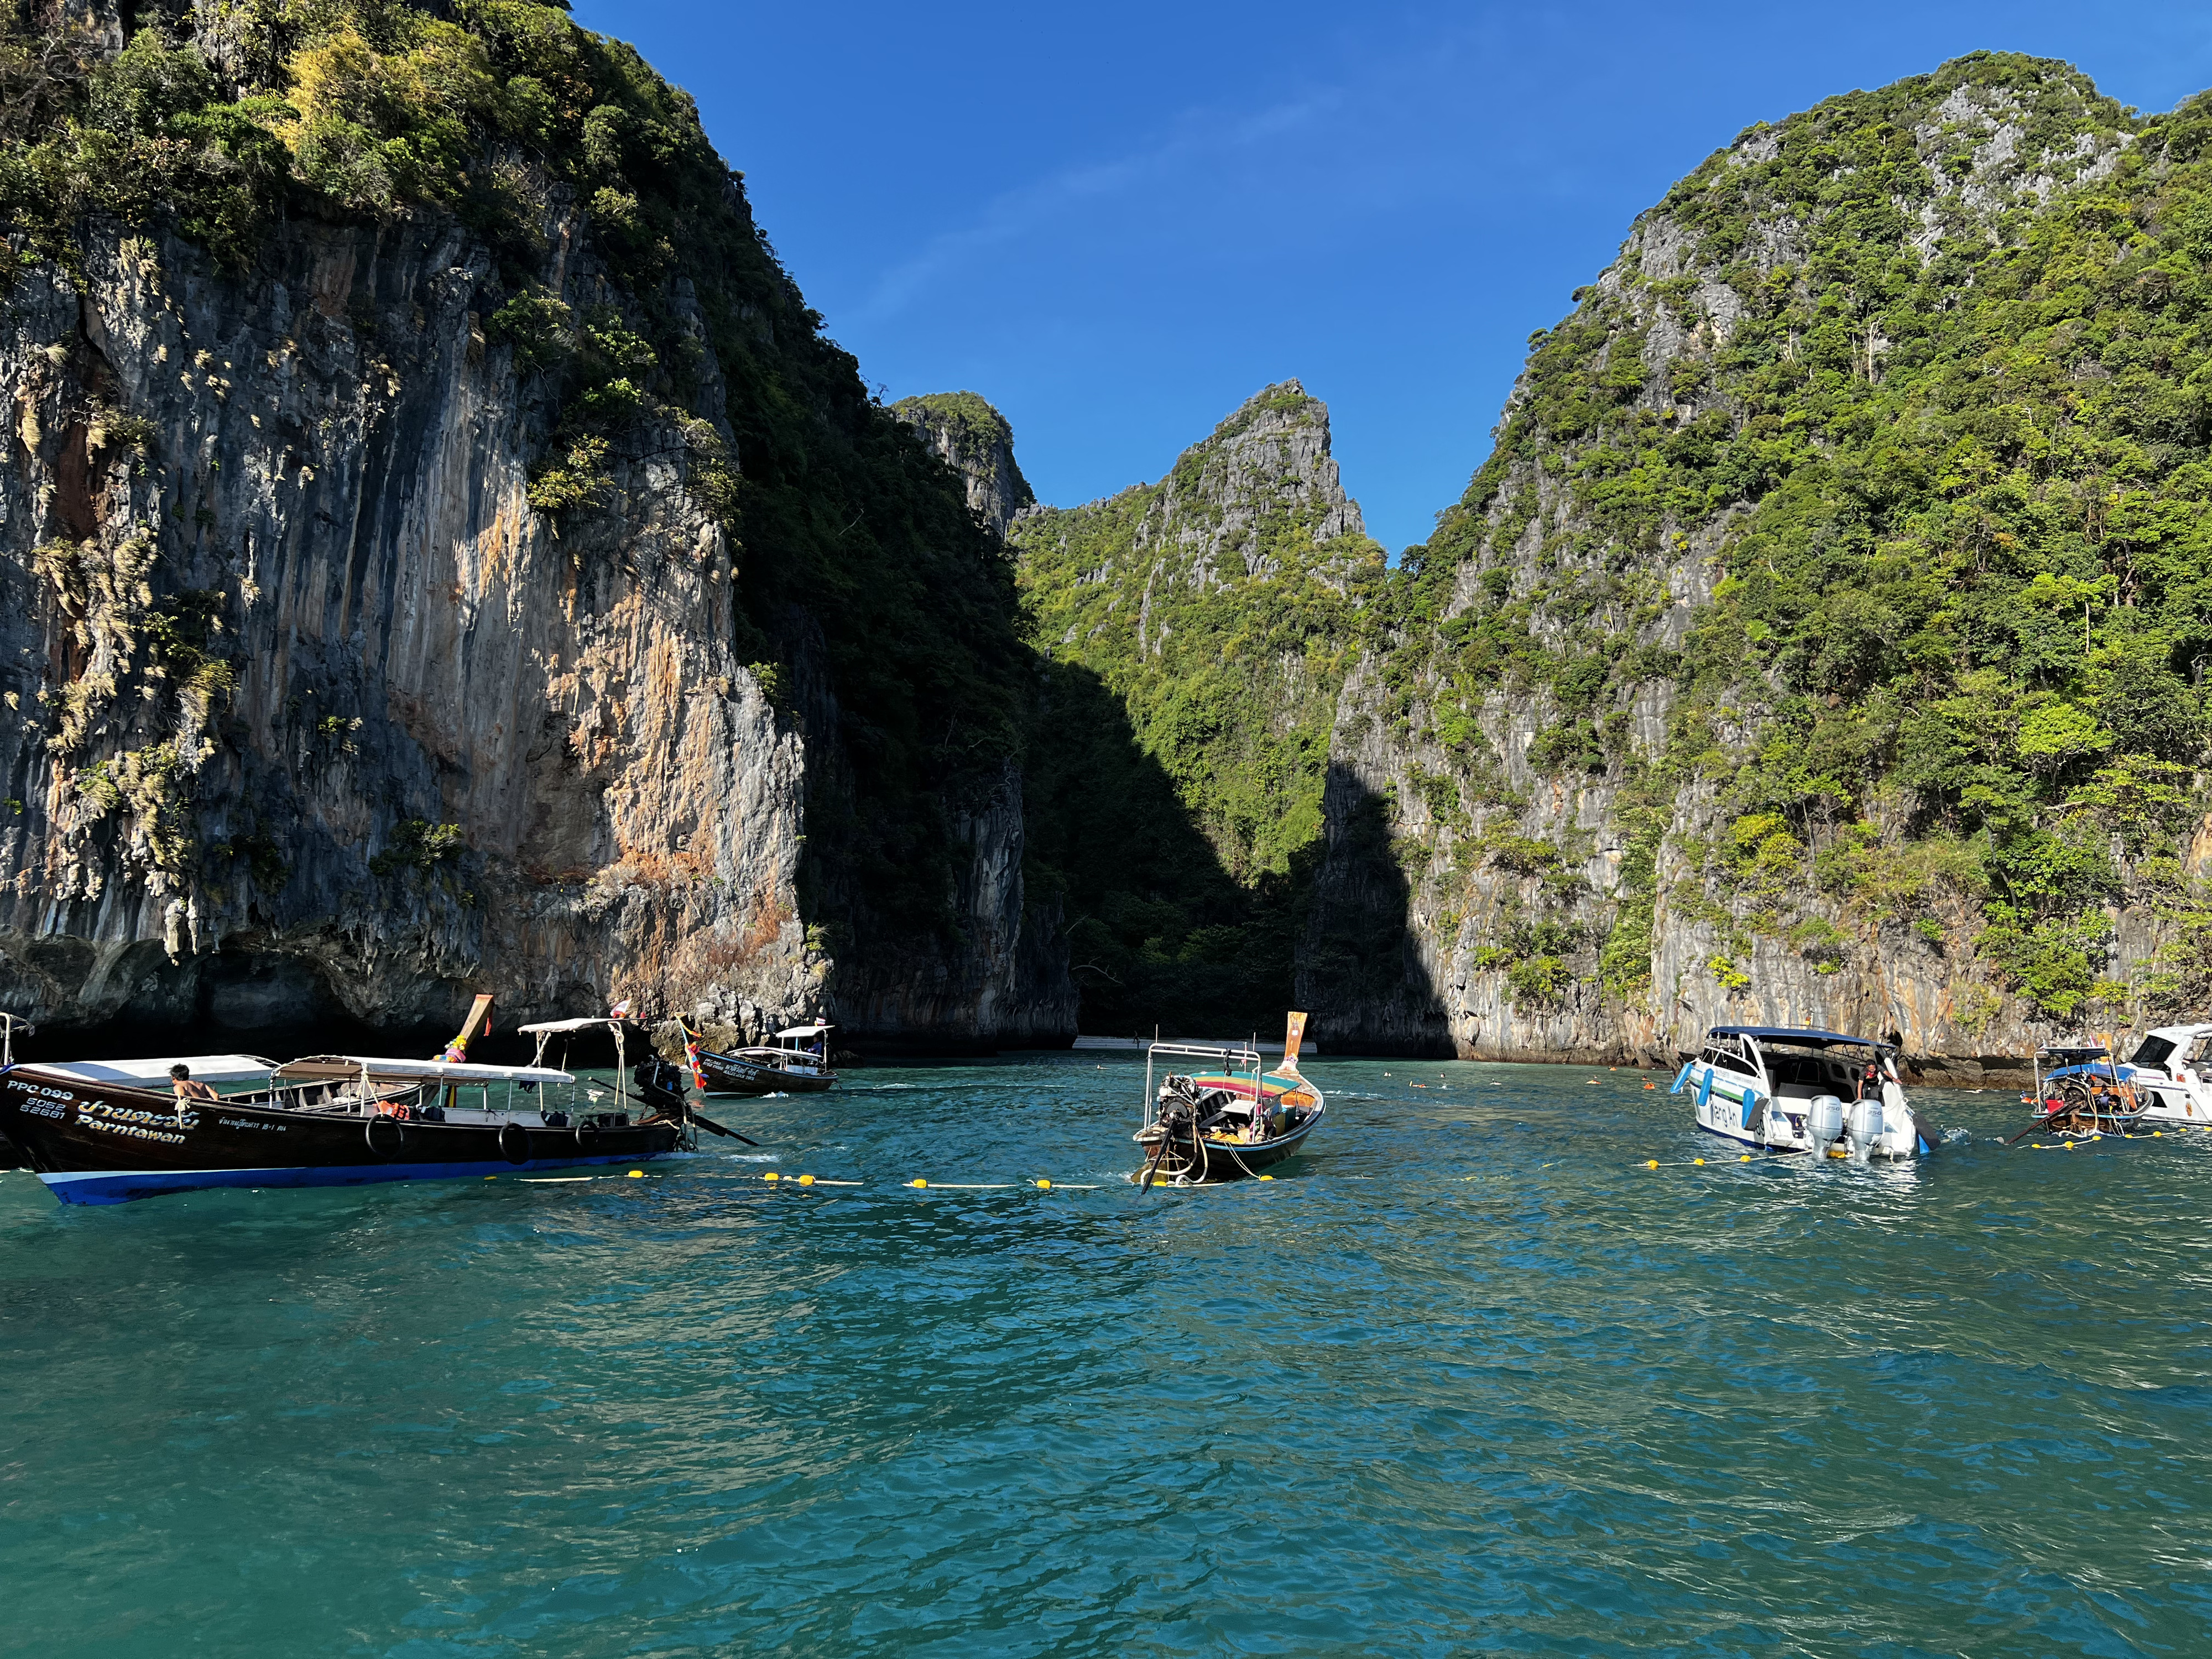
<point x="181" y="1081"/>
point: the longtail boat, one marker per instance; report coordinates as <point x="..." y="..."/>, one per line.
<point x="2085" y="1088"/>
<point x="1226" y="1121"/>
<point x="663" y="1087"/>
<point x="768" y="1070"/>
<point x="11" y="1158"/>
<point x="2082" y="1091"/>
<point x="106" y="1132"/>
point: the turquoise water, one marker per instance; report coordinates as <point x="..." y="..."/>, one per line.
<point x="1469" y="1377"/>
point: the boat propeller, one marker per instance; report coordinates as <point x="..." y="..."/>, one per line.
<point x="1181" y="1114"/>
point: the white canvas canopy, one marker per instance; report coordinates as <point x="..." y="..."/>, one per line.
<point x="204" y="1068"/>
<point x="427" y="1070"/>
<point x="806" y="1030"/>
<point x="588" y="1023"/>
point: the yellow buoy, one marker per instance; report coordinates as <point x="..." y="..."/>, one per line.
<point x="806" y="1181"/>
<point x="2155" y="1134"/>
<point x="917" y="1182"/>
<point x="1696" y="1160"/>
<point x="2070" y="1145"/>
<point x="1650" y="1162"/>
<point x="1266" y="1178"/>
<point x="771" y="1176"/>
<point x="1044" y="1186"/>
<point x="1746" y="1158"/>
<point x="637" y="1175"/>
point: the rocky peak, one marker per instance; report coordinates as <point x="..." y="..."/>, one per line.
<point x="1266" y="469"/>
<point x="972" y="438"/>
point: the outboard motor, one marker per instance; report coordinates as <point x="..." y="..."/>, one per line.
<point x="1824" y="1123"/>
<point x="1863" y="1125"/>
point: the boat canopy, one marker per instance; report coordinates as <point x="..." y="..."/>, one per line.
<point x="589" y="1022"/>
<point x="204" y="1068"/>
<point x="321" y="1069"/>
<point x="1797" y="1034"/>
<point x="806" y="1030"/>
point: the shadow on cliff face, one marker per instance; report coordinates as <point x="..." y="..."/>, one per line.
<point x="1159" y="934"/>
<point x="268" y="1002"/>
<point x="1360" y="973"/>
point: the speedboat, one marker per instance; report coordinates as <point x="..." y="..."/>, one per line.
<point x="1227" y="1119"/>
<point x="1790" y="1089"/>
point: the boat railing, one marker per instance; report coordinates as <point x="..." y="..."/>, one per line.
<point x="1234" y="1061"/>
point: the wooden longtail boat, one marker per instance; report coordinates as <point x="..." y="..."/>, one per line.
<point x="106" y="1132"/>
<point x="663" y="1088"/>
<point x="2082" y="1091"/>
<point x="768" y="1070"/>
<point x="11" y="1158"/>
<point x="1228" y="1121"/>
<point x="96" y="1137"/>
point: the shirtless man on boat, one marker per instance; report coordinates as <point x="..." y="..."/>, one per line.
<point x="180" y="1079"/>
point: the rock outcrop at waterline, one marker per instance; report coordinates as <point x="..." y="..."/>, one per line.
<point x="399" y="608"/>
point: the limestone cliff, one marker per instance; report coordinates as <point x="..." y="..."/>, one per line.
<point x="418" y="585"/>
<point x="1197" y="630"/>
<point x="314" y="712"/>
<point x="1815" y="646"/>
<point x="975" y="441"/>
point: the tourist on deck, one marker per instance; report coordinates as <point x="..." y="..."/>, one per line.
<point x="181" y="1078"/>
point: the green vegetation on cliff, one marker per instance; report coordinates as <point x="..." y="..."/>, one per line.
<point x="876" y="608"/>
<point x="973" y="438"/>
<point x="1917" y="385"/>
<point x="1199" y="631"/>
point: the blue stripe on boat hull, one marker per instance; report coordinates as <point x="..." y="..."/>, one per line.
<point x="121" y="1186"/>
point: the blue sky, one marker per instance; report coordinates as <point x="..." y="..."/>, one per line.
<point x="1116" y="223"/>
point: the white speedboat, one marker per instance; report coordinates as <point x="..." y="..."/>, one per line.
<point x="1786" y="1089"/>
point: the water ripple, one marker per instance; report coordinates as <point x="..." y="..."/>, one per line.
<point x="1469" y="1378"/>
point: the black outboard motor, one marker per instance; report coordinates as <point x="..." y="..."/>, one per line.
<point x="1178" y="1104"/>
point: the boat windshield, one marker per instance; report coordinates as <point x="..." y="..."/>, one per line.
<point x="2154" y="1051"/>
<point x="1812" y="1069"/>
<point x="1731" y="1053"/>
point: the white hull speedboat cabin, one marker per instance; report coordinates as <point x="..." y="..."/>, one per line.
<point x="1785" y="1089"/>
